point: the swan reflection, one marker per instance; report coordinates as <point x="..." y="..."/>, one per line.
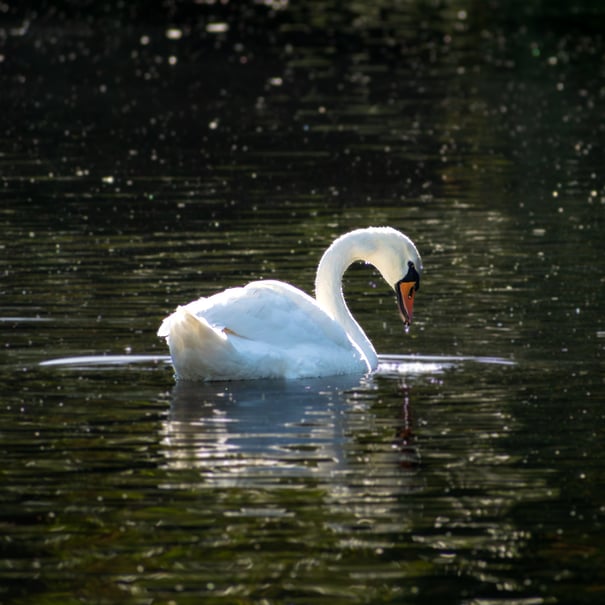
<point x="271" y="431"/>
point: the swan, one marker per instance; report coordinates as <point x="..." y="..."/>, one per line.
<point x="270" y="329"/>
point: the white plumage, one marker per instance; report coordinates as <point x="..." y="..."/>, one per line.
<point x="270" y="329"/>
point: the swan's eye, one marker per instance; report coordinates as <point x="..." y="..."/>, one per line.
<point x="412" y="276"/>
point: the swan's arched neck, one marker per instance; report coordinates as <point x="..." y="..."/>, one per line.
<point x="329" y="294"/>
<point x="385" y="248"/>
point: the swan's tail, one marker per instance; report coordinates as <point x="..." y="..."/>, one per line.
<point x="198" y="351"/>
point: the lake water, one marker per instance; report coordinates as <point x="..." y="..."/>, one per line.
<point x="152" y="156"/>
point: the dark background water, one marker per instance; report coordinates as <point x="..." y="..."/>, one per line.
<point x="153" y="154"/>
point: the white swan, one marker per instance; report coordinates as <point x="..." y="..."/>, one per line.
<point x="270" y="329"/>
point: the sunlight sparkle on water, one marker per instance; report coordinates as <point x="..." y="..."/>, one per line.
<point x="217" y="28"/>
<point x="174" y="33"/>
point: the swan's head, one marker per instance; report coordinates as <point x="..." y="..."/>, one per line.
<point x="396" y="257"/>
<point x="391" y="252"/>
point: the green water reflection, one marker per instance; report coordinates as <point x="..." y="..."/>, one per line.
<point x="148" y="157"/>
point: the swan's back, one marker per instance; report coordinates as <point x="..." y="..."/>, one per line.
<point x="267" y="329"/>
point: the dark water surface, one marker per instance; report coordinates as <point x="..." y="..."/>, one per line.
<point x="151" y="156"/>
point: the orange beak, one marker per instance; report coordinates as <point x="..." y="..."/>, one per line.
<point x="405" y="300"/>
<point x="406" y="291"/>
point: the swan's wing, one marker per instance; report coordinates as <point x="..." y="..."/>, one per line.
<point x="198" y="350"/>
<point x="272" y="312"/>
<point x="265" y="329"/>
